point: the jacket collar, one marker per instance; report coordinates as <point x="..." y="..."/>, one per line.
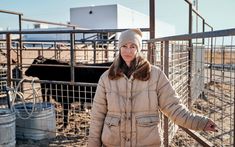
<point x="142" y="71"/>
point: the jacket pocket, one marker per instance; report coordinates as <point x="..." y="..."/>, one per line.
<point x="147" y="132"/>
<point x="111" y="131"/>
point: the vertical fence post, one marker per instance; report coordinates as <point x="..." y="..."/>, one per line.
<point x="161" y="54"/>
<point x="203" y="30"/>
<point x="211" y="52"/>
<point x="151" y="48"/>
<point x="233" y="112"/>
<point x="166" y="71"/>
<point x="94" y="53"/>
<point x="72" y="41"/>
<point x="190" y="56"/>
<point x="8" y="39"/>
<point x="20" y="43"/>
<point x="74" y="51"/>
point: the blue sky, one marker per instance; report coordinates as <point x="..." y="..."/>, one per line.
<point x="218" y="13"/>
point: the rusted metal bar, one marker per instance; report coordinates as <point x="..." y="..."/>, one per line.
<point x="203" y="30"/>
<point x="10" y="12"/>
<point x="194" y="9"/>
<point x="74" y="36"/>
<point x="59" y="31"/>
<point x="72" y="42"/>
<point x="20" y="46"/>
<point x="211" y="51"/>
<point x="8" y="39"/>
<point x="190" y="52"/>
<point x="190" y="15"/>
<point x="152" y="18"/>
<point x="161" y="54"/>
<point x="166" y="71"/>
<point x="94" y="53"/>
<point x="200" y="139"/>
<point x="151" y="48"/>
<point x="219" y="33"/>
<point x="57" y="82"/>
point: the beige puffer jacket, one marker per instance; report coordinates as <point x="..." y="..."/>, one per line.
<point x="125" y="112"/>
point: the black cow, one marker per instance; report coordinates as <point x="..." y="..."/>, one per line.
<point x="55" y="70"/>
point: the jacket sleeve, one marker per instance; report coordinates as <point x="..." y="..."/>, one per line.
<point x="98" y="114"/>
<point x="172" y="107"/>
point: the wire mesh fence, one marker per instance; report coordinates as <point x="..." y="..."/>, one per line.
<point x="200" y="67"/>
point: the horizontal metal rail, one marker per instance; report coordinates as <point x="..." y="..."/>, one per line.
<point x="203" y="141"/>
<point x="56" y="82"/>
<point x="10" y="12"/>
<point x="219" y="33"/>
<point x="59" y="31"/>
<point x="48" y="22"/>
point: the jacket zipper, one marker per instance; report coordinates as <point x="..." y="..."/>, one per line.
<point x="131" y="111"/>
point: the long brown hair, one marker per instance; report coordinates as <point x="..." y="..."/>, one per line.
<point x="139" y="67"/>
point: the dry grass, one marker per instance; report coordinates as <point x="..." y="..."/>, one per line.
<point x="219" y="57"/>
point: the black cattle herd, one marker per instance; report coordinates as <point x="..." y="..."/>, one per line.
<point x="55" y="70"/>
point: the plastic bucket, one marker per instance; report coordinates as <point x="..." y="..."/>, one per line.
<point x="41" y="124"/>
<point x="7" y="128"/>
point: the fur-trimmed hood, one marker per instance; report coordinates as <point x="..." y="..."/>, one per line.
<point x="141" y="72"/>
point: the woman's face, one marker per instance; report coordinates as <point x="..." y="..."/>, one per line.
<point x="128" y="52"/>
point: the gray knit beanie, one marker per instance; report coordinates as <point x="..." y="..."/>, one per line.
<point x="131" y="35"/>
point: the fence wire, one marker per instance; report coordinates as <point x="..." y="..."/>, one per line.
<point x="201" y="68"/>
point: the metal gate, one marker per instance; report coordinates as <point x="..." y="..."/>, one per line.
<point x="201" y="67"/>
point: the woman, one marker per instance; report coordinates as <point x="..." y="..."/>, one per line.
<point x="129" y="97"/>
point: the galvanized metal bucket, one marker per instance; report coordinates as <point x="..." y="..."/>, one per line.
<point x="7" y="128"/>
<point x="40" y="125"/>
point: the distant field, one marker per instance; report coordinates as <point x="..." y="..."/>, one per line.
<point x="218" y="57"/>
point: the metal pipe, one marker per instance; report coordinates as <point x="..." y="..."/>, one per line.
<point x="72" y="56"/>
<point x="20" y="45"/>
<point x="166" y="71"/>
<point x="209" y="26"/>
<point x="48" y="22"/>
<point x="233" y="107"/>
<point x="161" y="54"/>
<point x="190" y="26"/>
<point x="10" y="12"/>
<point x="74" y="51"/>
<point x="151" y="48"/>
<point x="203" y="30"/>
<point x="8" y="39"/>
<point x="68" y="31"/>
<point x="94" y="53"/>
<point x="190" y="52"/>
<point x="194" y="9"/>
<point x="211" y="52"/>
<point x="200" y="139"/>
<point x="152" y="18"/>
<point x="219" y="33"/>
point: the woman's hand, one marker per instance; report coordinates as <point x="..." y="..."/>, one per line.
<point x="210" y="126"/>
